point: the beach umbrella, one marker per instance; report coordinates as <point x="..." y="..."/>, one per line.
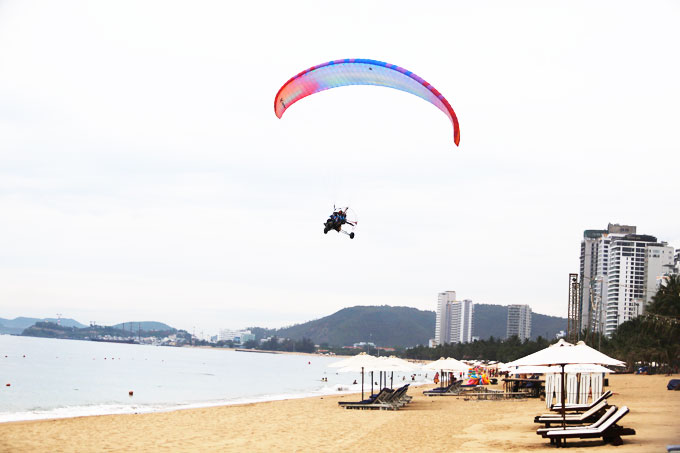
<point x="575" y="368"/>
<point x="372" y="364"/>
<point x="448" y="364"/>
<point x="393" y="363"/>
<point x="360" y="358"/>
<point x="397" y="364"/>
<point x="359" y="363"/>
<point x="562" y="354"/>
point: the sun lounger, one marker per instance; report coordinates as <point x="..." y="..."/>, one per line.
<point x="573" y="419"/>
<point x="603" y="418"/>
<point x="399" y="398"/>
<point x="377" y="398"/>
<point x="451" y="388"/>
<point x="581" y="407"/>
<point x="387" y="399"/>
<point x="609" y="431"/>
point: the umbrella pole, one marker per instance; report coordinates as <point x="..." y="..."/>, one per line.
<point x="362" y="383"/>
<point x="392" y="380"/>
<point x="564" y="409"/>
<point x="371" y="382"/>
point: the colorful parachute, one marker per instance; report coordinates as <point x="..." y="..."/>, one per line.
<point x="354" y="71"/>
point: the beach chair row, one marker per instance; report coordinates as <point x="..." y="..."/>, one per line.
<point x="386" y="399"/>
<point x="452" y="389"/>
<point x="591" y="421"/>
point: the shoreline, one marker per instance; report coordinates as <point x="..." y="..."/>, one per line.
<point x="318" y="424"/>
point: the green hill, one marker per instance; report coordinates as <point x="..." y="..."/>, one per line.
<point x="490" y="320"/>
<point x="142" y="325"/>
<point x="382" y="325"/>
<point x="17" y="325"/>
<point x="402" y="326"/>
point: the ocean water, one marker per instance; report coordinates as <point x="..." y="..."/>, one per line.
<point x="51" y="378"/>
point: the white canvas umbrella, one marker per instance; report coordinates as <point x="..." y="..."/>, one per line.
<point x="563" y="354"/>
<point x="448" y="364"/>
<point x="359" y="363"/>
<point x="397" y="364"/>
<point x="576" y="368"/>
<point x="393" y="364"/>
<point x="360" y="358"/>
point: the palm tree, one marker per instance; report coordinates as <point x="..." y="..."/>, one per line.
<point x="666" y="302"/>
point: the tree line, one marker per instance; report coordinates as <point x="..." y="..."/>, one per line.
<point x="652" y="339"/>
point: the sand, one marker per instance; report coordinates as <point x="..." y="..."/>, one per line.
<point x="317" y="424"/>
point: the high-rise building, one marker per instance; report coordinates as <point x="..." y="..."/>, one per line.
<point x="519" y="322"/>
<point x="620" y="274"/>
<point x="594" y="268"/>
<point x="627" y="279"/>
<point x="658" y="263"/>
<point x="442" y="326"/>
<point x="454" y="320"/>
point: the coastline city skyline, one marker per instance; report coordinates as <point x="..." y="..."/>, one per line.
<point x="321" y="226"/>
<point x="154" y="176"/>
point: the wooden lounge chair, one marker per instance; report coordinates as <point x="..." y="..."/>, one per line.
<point x="581" y="407"/>
<point x="378" y="398"/>
<point x="387" y="399"/>
<point x="574" y="419"/>
<point x="454" y="387"/>
<point x="398" y="398"/>
<point x="609" y="431"/>
<point x="603" y="418"/>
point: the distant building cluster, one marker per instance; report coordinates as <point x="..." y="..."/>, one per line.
<point x="235" y="336"/>
<point x="454" y="320"/>
<point x="519" y="322"/>
<point x="620" y="273"/>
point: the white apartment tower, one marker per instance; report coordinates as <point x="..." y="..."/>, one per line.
<point x="620" y="274"/>
<point x="519" y="322"/>
<point x="454" y="320"/>
<point x="658" y="262"/>
<point x="594" y="270"/>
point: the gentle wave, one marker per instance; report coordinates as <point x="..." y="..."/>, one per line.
<point x="112" y="409"/>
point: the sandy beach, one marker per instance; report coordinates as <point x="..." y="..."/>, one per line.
<point x="318" y="424"/>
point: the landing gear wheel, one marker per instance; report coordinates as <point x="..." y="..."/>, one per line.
<point x="351" y="235"/>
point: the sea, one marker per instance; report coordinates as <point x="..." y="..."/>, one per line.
<point x="44" y="378"/>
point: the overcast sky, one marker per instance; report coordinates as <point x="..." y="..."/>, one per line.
<point x="144" y="175"/>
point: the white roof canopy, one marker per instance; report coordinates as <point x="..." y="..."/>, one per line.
<point x="563" y="353"/>
<point x="448" y="364"/>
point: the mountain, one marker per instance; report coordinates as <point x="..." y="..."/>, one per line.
<point x="382" y="325"/>
<point x="142" y="325"/>
<point x="490" y="320"/>
<point x="546" y="326"/>
<point x="402" y="326"/>
<point x="17" y="325"/>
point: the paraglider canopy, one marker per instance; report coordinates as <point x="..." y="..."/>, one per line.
<point x="356" y="71"/>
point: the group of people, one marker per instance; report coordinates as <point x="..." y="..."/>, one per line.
<point x="452" y="377"/>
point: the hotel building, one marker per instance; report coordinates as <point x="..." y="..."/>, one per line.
<point x="519" y="322"/>
<point x="620" y="274"/>
<point x="454" y="321"/>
